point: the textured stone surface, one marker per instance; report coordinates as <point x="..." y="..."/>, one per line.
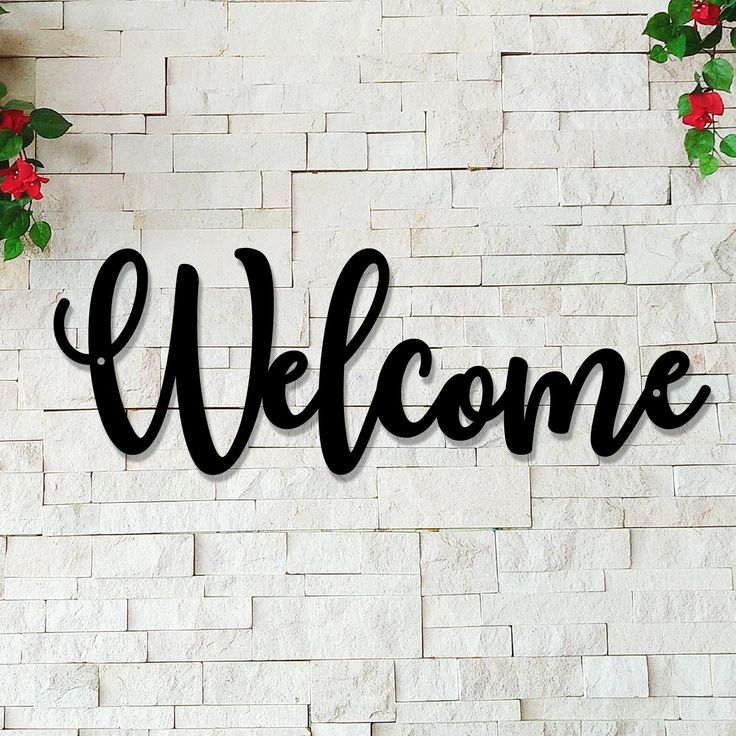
<point x="353" y="691"/>
<point x="615" y="677"/>
<point x="407" y="498"/>
<point x="322" y="627"/>
<point x="521" y="167"/>
<point x="572" y="82"/>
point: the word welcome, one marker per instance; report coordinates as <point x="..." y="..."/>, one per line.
<point x="456" y="415"/>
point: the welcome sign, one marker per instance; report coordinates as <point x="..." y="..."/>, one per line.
<point x="454" y="411"/>
<point x="367" y="368"/>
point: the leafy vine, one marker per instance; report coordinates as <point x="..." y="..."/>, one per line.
<point x="20" y="183"/>
<point x="691" y="27"/>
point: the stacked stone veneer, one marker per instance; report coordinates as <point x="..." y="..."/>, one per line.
<point x="520" y="166"/>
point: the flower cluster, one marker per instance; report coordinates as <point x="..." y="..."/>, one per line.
<point x="20" y="180"/>
<point x="703" y="107"/>
<point x="705" y="13"/>
<point x="690" y="27"/>
<point x="20" y="183"/>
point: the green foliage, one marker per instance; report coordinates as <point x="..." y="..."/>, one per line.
<point x="679" y="35"/>
<point x="48" y="123"/>
<point x="699" y="143"/>
<point x="658" y="53"/>
<point x="693" y="42"/>
<point x="40" y="234"/>
<point x="718" y="74"/>
<point x="677" y="46"/>
<point x="18" y="105"/>
<point x="15" y="214"/>
<point x="10" y="144"/>
<point x="713" y="38"/>
<point x="15" y="222"/>
<point x="27" y="135"/>
<point x="679" y="11"/>
<point x="728" y="145"/>
<point x="708" y="164"/>
<point x="12" y="249"/>
<point x="659" y="27"/>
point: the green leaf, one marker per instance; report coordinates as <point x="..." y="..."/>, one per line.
<point x="693" y="42"/>
<point x="659" y="27"/>
<point x="40" y="233"/>
<point x="14" y="222"/>
<point x="699" y="143"/>
<point x="3" y="90"/>
<point x="12" y="249"/>
<point x="728" y="145"/>
<point x="10" y="144"/>
<point x="48" y="123"/>
<point x="27" y="136"/>
<point x="708" y="164"/>
<point x="677" y="46"/>
<point x="683" y="105"/>
<point x="718" y="74"/>
<point x="658" y="53"/>
<point x="2" y="10"/>
<point x="680" y="11"/>
<point x="35" y="162"/>
<point x="18" y="105"/>
<point x="713" y="38"/>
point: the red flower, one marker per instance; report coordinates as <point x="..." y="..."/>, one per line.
<point x="13" y="120"/>
<point x="704" y="106"/>
<point x="21" y="178"/>
<point x="705" y="13"/>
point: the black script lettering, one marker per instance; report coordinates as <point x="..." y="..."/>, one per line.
<point x="453" y="409"/>
<point x="182" y="365"/>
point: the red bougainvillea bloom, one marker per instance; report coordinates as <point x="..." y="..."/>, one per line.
<point x="704" y="106"/>
<point x="706" y="13"/>
<point x="21" y="178"/>
<point x="13" y="120"/>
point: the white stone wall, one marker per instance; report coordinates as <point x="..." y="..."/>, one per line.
<point x="520" y="165"/>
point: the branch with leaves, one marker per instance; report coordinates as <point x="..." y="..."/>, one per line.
<point x="20" y="183"/>
<point x="691" y="27"/>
